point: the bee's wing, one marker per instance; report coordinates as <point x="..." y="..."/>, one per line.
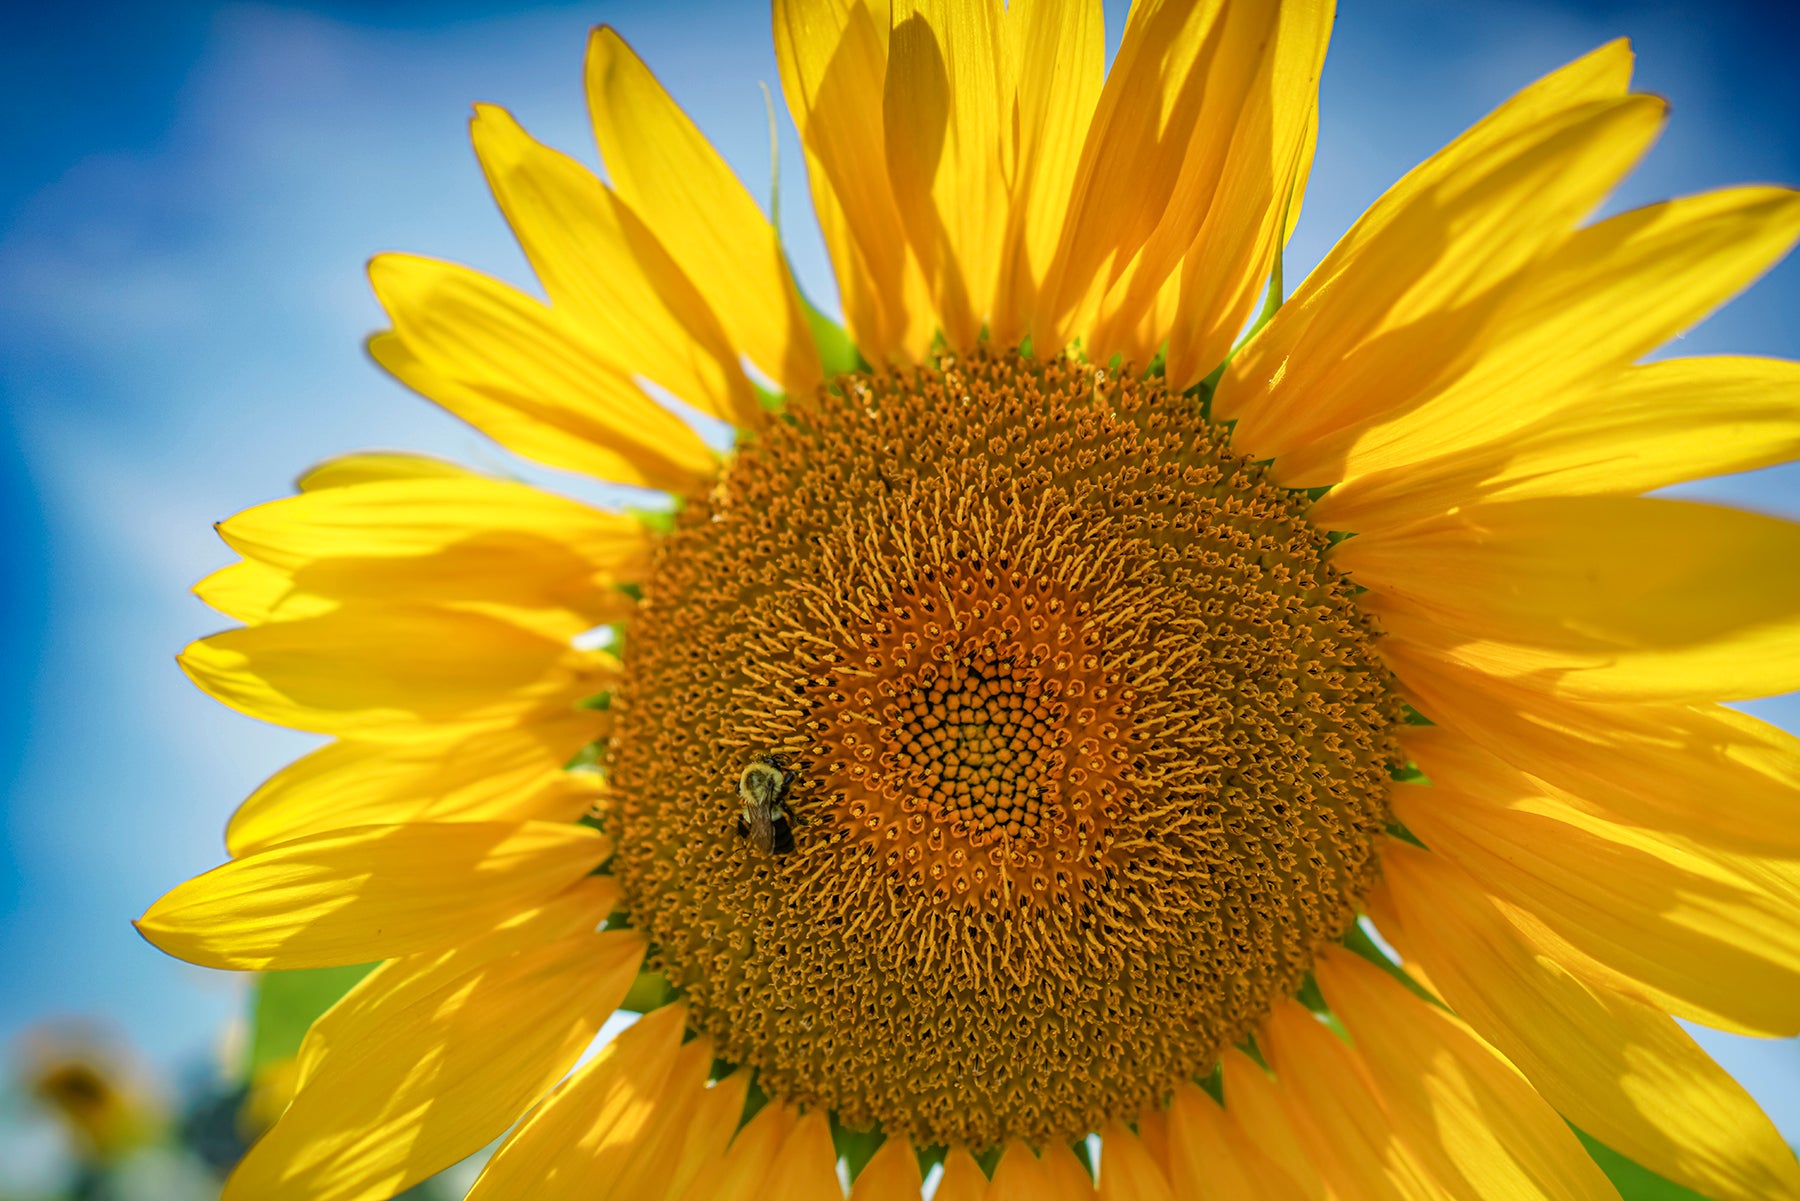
<point x="762" y="831"/>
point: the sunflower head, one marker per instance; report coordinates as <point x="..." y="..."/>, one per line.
<point x="1091" y="745"/>
<point x="1024" y="731"/>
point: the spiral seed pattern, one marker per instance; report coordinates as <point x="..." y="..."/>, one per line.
<point x="1092" y="749"/>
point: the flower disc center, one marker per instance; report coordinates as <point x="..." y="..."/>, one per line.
<point x="1090" y="748"/>
<point x="976" y="747"/>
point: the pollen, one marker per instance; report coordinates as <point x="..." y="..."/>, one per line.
<point x="1091" y="746"/>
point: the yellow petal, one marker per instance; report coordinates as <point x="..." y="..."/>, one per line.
<point x="424" y="517"/>
<point x="395" y="525"/>
<point x="1256" y="1107"/>
<point x="1067" y="1176"/>
<point x="603" y="267"/>
<point x="1061" y="48"/>
<point x="559" y="607"/>
<point x="445" y="541"/>
<point x="716" y="1119"/>
<point x="1209" y="1154"/>
<point x="666" y="170"/>
<point x="1618" y="1069"/>
<point x="833" y="62"/>
<point x="1694" y="931"/>
<point x="371" y="467"/>
<point x="1600" y="300"/>
<point x="1019" y="1176"/>
<point x="1396" y="307"/>
<point x="1236" y="56"/>
<point x="1603" y="73"/>
<point x="387" y="672"/>
<point x="255" y="593"/>
<point x="1496" y="1134"/>
<point x="892" y="1173"/>
<point x="656" y="1157"/>
<point x="379" y="997"/>
<point x="1622" y="598"/>
<point x="523" y="375"/>
<point x="1127" y="1171"/>
<point x="500" y="774"/>
<point x="1309" y="143"/>
<point x="739" y="1174"/>
<point x="1153" y="1131"/>
<point x="1663" y="766"/>
<point x="1649" y="426"/>
<point x="948" y="125"/>
<point x="806" y="1168"/>
<point x="963" y="1179"/>
<point x="603" y="1122"/>
<point x="1153" y="103"/>
<point x="394" y="1104"/>
<point x="1263" y="178"/>
<point x="369" y="893"/>
<point x="1340" y="1120"/>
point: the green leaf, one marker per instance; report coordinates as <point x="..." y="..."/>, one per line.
<point x="285" y="1004"/>
<point x="1634" y="1181"/>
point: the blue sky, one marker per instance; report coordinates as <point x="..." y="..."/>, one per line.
<point x="190" y="194"/>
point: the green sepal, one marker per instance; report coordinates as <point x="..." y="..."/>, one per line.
<point x="929" y="1157"/>
<point x="1310" y="996"/>
<point x="588" y="756"/>
<point x="754" y="1100"/>
<point x="1357" y="939"/>
<point x="1410" y="774"/>
<point x="855" y="1147"/>
<point x="1413" y="717"/>
<point x="771" y="400"/>
<point x="284" y="1006"/>
<point x="1396" y="829"/>
<point x="1080" y="1147"/>
<point x="651" y="990"/>
<point x="837" y="353"/>
<point x="660" y="520"/>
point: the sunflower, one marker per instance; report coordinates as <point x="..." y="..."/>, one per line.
<point x="1290" y="765"/>
<point x="91" y="1083"/>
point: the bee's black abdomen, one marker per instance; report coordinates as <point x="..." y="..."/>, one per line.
<point x="784" y="835"/>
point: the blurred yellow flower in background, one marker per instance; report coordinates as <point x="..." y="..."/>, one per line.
<point x="95" y="1086"/>
<point x="1111" y="684"/>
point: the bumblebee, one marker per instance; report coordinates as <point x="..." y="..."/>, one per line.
<point x="763" y="788"/>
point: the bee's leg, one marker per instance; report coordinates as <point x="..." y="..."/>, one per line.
<point x="743" y="827"/>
